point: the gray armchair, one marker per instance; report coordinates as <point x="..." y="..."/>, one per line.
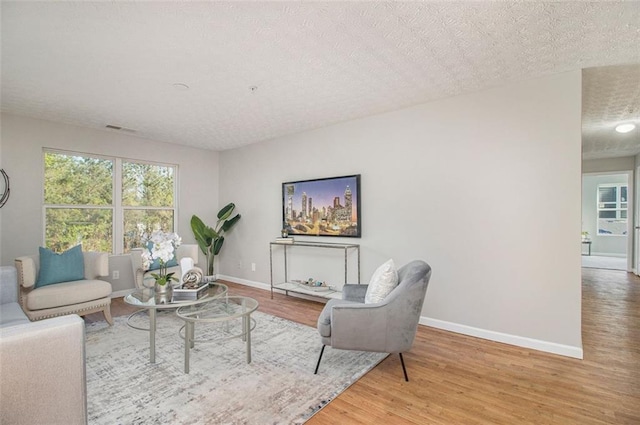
<point x="388" y="326"/>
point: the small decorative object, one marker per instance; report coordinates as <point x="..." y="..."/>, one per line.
<point x="193" y="287"/>
<point x="312" y="284"/>
<point x="163" y="293"/>
<point x="161" y="246"/>
<point x="284" y="233"/>
<point x="192" y="278"/>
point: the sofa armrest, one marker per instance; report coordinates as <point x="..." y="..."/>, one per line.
<point x="96" y="264"/>
<point x="43" y="372"/>
<point x="27" y="271"/>
<point x="8" y="285"/>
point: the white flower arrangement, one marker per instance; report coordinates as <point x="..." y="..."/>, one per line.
<point x="163" y="248"/>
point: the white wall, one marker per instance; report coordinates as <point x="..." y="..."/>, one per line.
<point x="606" y="165"/>
<point x="485" y="187"/>
<point x="23" y="141"/>
<point x="1" y="209"/>
<point x="601" y="245"/>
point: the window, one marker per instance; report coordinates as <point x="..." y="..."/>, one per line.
<point x="106" y="204"/>
<point x="612" y="209"/>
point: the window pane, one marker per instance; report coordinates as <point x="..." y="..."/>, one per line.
<point x="77" y="180"/>
<point x="623" y="214"/>
<point x="607" y="194"/>
<point x="607" y="214"/>
<point x="623" y="194"/>
<point x="67" y="227"/>
<point x="139" y="222"/>
<point x="147" y="185"/>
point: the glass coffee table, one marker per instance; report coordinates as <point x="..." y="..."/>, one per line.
<point x="218" y="310"/>
<point x="145" y="299"/>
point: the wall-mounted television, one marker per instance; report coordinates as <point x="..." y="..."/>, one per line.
<point x="322" y="207"/>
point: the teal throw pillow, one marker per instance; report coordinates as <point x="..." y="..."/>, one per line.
<point x="156" y="263"/>
<point x="57" y="268"/>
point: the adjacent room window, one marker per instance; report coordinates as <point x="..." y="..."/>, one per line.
<point x="106" y="204"/>
<point x="612" y="209"/>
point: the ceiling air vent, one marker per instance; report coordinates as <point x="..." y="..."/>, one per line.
<point x="115" y="127"/>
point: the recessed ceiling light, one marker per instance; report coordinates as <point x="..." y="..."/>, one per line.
<point x="180" y="86"/>
<point x="625" y="128"/>
<point x="253" y="89"/>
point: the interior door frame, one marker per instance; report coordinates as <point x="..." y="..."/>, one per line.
<point x="633" y="234"/>
<point x="635" y="268"/>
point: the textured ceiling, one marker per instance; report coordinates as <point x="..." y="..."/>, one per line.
<point x="314" y="64"/>
<point x="610" y="96"/>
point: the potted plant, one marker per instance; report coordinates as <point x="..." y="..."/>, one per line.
<point x="210" y="239"/>
<point x="158" y="255"/>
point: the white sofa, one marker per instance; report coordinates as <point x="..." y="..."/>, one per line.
<point x="42" y="371"/>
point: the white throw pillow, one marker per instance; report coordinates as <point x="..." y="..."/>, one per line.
<point x="384" y="279"/>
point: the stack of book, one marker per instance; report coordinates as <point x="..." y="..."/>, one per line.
<point x="284" y="240"/>
<point x="189" y="294"/>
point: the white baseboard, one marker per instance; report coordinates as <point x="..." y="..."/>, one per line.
<point x="608" y="254"/>
<point x="519" y="341"/>
<point x="121" y="293"/>
<point x="252" y="283"/>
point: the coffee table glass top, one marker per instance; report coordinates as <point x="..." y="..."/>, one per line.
<point x="218" y="309"/>
<point x="145" y="298"/>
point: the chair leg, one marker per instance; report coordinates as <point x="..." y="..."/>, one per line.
<point x="107" y="315"/>
<point x="404" y="369"/>
<point x="319" y="358"/>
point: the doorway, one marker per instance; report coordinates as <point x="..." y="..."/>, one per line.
<point x="607" y="213"/>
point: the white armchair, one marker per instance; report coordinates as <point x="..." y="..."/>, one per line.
<point x="89" y="295"/>
<point x="143" y="277"/>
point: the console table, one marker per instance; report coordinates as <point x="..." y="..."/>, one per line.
<point x="588" y="243"/>
<point x="324" y="292"/>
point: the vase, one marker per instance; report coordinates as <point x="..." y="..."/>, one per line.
<point x="163" y="293"/>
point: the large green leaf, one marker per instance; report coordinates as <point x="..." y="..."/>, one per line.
<point x="200" y="233"/>
<point x="217" y="245"/>
<point x="229" y="223"/>
<point x="226" y="211"/>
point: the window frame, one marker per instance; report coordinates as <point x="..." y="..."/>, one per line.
<point x="117" y="207"/>
<point x="618" y="209"/>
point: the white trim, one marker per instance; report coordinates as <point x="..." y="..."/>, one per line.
<point x="608" y="254"/>
<point x="245" y="282"/>
<point x="122" y="293"/>
<point x="519" y="341"/>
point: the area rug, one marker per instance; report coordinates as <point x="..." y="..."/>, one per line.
<point x="277" y="387"/>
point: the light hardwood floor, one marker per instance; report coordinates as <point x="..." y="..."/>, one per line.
<point x="456" y="379"/>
